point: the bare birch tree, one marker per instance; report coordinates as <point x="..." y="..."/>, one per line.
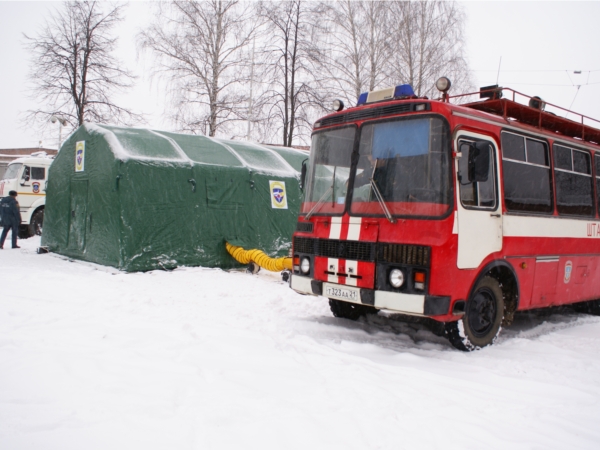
<point x="354" y="51"/>
<point x="199" y="47"/>
<point x="292" y="91"/>
<point x="73" y="71"/>
<point x="428" y="43"/>
<point x="375" y="44"/>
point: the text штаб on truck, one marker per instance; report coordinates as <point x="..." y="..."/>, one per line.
<point x="462" y="214"/>
<point x="28" y="177"/>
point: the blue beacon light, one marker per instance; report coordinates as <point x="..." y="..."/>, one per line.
<point x="404" y="90"/>
<point x="362" y="99"/>
<point x="400" y="91"/>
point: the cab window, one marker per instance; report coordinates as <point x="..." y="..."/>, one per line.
<point x="26" y="173"/>
<point x="38" y="173"/>
<point x="482" y="194"/>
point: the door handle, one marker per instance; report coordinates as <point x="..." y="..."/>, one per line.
<point x="495" y="215"/>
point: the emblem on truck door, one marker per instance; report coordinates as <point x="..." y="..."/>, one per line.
<point x="568" y="270"/>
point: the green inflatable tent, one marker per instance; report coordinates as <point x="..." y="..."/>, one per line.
<point x="139" y="200"/>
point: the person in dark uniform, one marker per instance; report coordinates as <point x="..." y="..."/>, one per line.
<point x="11" y="218"/>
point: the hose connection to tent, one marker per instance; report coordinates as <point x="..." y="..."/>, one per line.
<point x="259" y="257"/>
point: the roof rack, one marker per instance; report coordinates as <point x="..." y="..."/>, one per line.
<point x="510" y="107"/>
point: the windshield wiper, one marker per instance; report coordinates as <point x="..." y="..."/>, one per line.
<point x="319" y="203"/>
<point x="322" y="199"/>
<point x="333" y="188"/>
<point x="379" y="197"/>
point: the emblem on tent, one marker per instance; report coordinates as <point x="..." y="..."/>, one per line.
<point x="278" y="196"/>
<point x="79" y="156"/>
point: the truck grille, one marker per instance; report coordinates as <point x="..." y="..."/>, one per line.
<point x="304" y="245"/>
<point x="410" y="255"/>
<point x="358" y="251"/>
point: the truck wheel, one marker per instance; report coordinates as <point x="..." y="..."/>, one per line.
<point x="591" y="307"/>
<point x="35" y="226"/>
<point x="480" y="325"/>
<point x="350" y="311"/>
<point x="24" y="232"/>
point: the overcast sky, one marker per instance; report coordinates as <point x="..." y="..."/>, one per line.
<point x="540" y="44"/>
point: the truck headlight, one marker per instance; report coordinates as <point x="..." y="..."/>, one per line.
<point x="396" y="278"/>
<point x="305" y="266"/>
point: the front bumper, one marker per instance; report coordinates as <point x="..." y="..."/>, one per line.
<point x="420" y="305"/>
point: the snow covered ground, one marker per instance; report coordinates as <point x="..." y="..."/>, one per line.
<point x="91" y="358"/>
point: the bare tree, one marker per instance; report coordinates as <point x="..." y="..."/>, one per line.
<point x="291" y="93"/>
<point x="74" y="74"/>
<point x="375" y="44"/>
<point x="377" y="40"/>
<point x="428" y="43"/>
<point x="354" y="51"/>
<point x="199" y="47"/>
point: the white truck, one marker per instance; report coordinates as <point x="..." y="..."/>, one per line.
<point x="28" y="176"/>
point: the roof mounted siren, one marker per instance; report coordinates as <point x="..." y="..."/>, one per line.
<point x="536" y="102"/>
<point x="443" y="84"/>
<point x="493" y="92"/>
<point x="399" y="92"/>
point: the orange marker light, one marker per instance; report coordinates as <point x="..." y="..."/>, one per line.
<point x="420" y="277"/>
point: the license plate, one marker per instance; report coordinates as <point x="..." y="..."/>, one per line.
<point x="335" y="291"/>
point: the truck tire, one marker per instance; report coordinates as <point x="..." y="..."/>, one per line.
<point x="36" y="223"/>
<point x="590" y="307"/>
<point x="24" y="232"/>
<point x="346" y="310"/>
<point x="480" y="325"/>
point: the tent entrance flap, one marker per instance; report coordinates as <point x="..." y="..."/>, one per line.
<point x="77" y="218"/>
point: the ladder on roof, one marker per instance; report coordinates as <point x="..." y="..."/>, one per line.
<point x="533" y="113"/>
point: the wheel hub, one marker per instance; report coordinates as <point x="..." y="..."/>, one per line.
<point x="482" y="312"/>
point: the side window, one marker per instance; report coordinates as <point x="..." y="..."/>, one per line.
<point x="26" y="173"/>
<point x="526" y="174"/>
<point x="476" y="194"/>
<point x="38" y="173"/>
<point x="574" y="183"/>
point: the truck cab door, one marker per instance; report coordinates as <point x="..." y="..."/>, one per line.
<point x="479" y="212"/>
<point x="38" y="180"/>
<point x="26" y="197"/>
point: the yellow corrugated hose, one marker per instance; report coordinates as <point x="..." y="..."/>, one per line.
<point x="258" y="257"/>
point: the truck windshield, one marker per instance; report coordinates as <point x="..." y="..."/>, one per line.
<point x="408" y="161"/>
<point x="12" y="172"/>
<point x="327" y="182"/>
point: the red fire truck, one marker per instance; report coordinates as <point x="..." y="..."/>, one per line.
<point x="461" y="213"/>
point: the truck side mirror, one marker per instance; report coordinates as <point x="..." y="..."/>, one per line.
<point x="479" y="161"/>
<point x="303" y="175"/>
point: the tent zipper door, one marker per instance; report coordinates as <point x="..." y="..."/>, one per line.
<point x="78" y="214"/>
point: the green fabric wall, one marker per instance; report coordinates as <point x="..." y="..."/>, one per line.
<point x="149" y="200"/>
